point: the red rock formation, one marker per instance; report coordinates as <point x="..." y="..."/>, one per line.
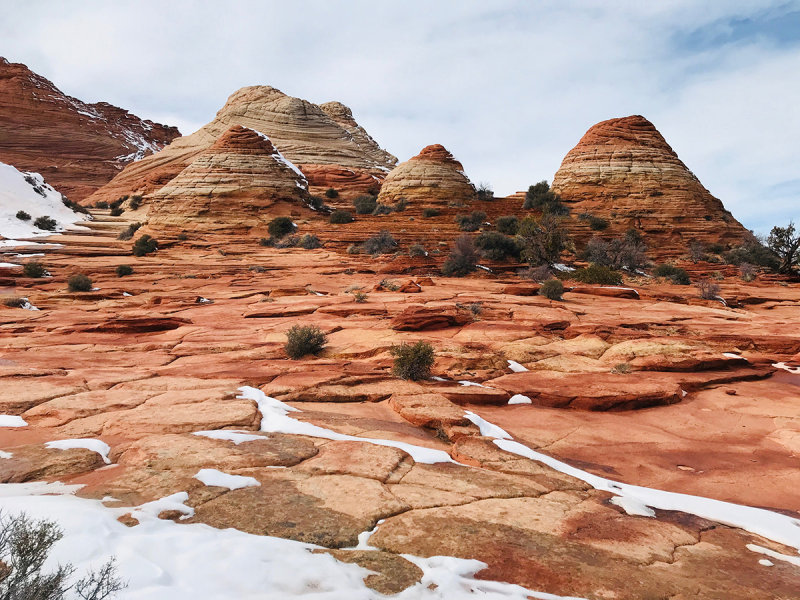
<point x="434" y="176"/>
<point x="624" y="171"/>
<point x="77" y="147"/>
<point x="303" y="132"/>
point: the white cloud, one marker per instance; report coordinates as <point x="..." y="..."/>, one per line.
<point x="508" y="86"/>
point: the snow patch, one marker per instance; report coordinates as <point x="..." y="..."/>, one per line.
<point x="487" y="429"/>
<point x="151" y="510"/>
<point x="5" y="454"/>
<point x="563" y="268"/>
<point x="88" y="443"/>
<point x="232" y="436"/>
<point x="519" y="399"/>
<point x="794" y="560"/>
<point x="516" y="367"/>
<point x="466" y="383"/>
<point x="786" y="367"/>
<point x="213" y="477"/>
<point x="633" y="507"/>
<point x="12" y="421"/>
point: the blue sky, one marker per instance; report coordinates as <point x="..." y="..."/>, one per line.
<point x="508" y="86"/>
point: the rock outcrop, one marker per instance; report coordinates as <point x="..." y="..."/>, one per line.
<point x="433" y="176"/>
<point x="624" y="171"/>
<point x="302" y="131"/>
<point x="77" y="147"/>
<point x="229" y="186"/>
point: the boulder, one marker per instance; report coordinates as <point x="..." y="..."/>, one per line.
<point x="420" y="318"/>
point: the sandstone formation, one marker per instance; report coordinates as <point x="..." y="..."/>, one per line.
<point x="230" y="186"/>
<point x="433" y="177"/>
<point x="77" y="147"/>
<point x="624" y="171"/>
<point x="303" y="132"/>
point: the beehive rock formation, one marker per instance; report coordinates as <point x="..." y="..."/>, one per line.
<point x="303" y="132"/>
<point x="230" y="186"/>
<point x="432" y="177"/>
<point x="623" y="170"/>
<point x="77" y="147"/>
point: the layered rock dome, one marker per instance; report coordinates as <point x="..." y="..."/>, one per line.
<point x="624" y="171"/>
<point x="229" y="186"/>
<point x="77" y="147"/>
<point x="302" y="131"/>
<point x="433" y="176"/>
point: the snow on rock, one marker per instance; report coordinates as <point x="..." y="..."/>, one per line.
<point x="213" y="477"/>
<point x="12" y="421"/>
<point x="29" y="192"/>
<point x="236" y="437"/>
<point x="766" y="563"/>
<point x="786" y="367"/>
<point x="516" y="367"/>
<point x="151" y="510"/>
<point x="37" y="488"/>
<point x="466" y="383"/>
<point x="633" y="507"/>
<point x="89" y="444"/>
<point x="5" y="454"/>
<point x="519" y="399"/>
<point x="487" y="429"/>
<point x="274" y="419"/>
<point x="794" y="560"/>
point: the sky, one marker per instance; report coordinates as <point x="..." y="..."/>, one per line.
<point x="508" y="86"/>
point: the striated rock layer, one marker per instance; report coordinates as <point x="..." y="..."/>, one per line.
<point x="231" y="185"/>
<point x="77" y="147"/>
<point x="624" y="171"/>
<point x="303" y="132"/>
<point x="433" y="176"/>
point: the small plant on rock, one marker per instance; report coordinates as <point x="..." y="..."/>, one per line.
<point x="381" y="209"/>
<point x="365" y="205"/>
<point x="359" y="296"/>
<point x="128" y="233"/>
<point x="484" y="192"/>
<point x="280" y="226"/>
<point x="747" y="272"/>
<point x="430" y="212"/>
<point x="14" y="302"/>
<point x="678" y="275"/>
<point x="310" y="242"/>
<point x="144" y="245"/>
<point x="507" y="225"/>
<point x="101" y="204"/>
<point x="472" y="221"/>
<point x="331" y="193"/>
<point x="34" y="269"/>
<point x="708" y="290"/>
<point x="463" y="258"/>
<point x="552" y="289"/>
<point x="382" y="243"/>
<point x="415" y="250"/>
<point x="412" y="361"/>
<point x="45" y="223"/>
<point x="79" y="283"/>
<point x="340" y="217"/>
<point x="597" y="274"/>
<point x="303" y="340"/>
<point x="124" y="270"/>
<point x="23" y="216"/>
<point x="115" y="212"/>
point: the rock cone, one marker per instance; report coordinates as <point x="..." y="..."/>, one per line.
<point x="229" y="186"/>
<point x="433" y="176"/>
<point x="624" y="171"/>
<point x="76" y="147"/>
<point x="303" y="132"/>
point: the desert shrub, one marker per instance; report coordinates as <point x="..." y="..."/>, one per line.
<point x="676" y="274"/>
<point x="542" y="241"/>
<point x="430" y="212"/>
<point x="79" y="283"/>
<point x="463" y="258"/>
<point x="627" y="252"/>
<point x="128" y="233"/>
<point x="538" y="274"/>
<point x="507" y="225"/>
<point x="303" y="340"/>
<point x="25" y="546"/>
<point x="365" y="205"/>
<point x="382" y="243"/>
<point x="541" y="197"/>
<point x="45" y="223"/>
<point x="289" y="241"/>
<point x="73" y="206"/>
<point x="754" y="253"/>
<point x="472" y="221"/>
<point x="708" y="290"/>
<point x="496" y="246"/>
<point x="310" y="242"/>
<point x="124" y="270"/>
<point x="784" y="242"/>
<point x="339" y="217"/>
<point x="118" y="202"/>
<point x="136" y="202"/>
<point x="354" y="249"/>
<point x="597" y="274"/>
<point x="34" y="269"/>
<point x="115" y="212"/>
<point x="14" y="302"/>
<point x="412" y="361"/>
<point x="747" y="272"/>
<point x="182" y="236"/>
<point x="484" y="192"/>
<point x="257" y="269"/>
<point x="266" y="242"/>
<point x="331" y="193"/>
<point x="415" y="250"/>
<point x="144" y="245"/>
<point x="316" y="202"/>
<point x="715" y="248"/>
<point x="696" y="251"/>
<point x="23" y="216"/>
<point x="359" y="296"/>
<point x="552" y="289"/>
<point x="280" y="226"/>
<point x="597" y="223"/>
<point x="401" y="205"/>
<point x="381" y="209"/>
<point x="621" y="369"/>
<point x="101" y="204"/>
<point x="389" y="284"/>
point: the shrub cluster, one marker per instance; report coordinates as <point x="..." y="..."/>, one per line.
<point x="128" y="233"/>
<point x="316" y="202"/>
<point x="303" y="340"/>
<point x="484" y="192"/>
<point x="124" y="270"/>
<point x="430" y="212"/>
<point x="381" y="209"/>
<point x="115" y="212"/>
<point x="34" y="269"/>
<point x="23" y="216"/>
<point x="310" y="242"/>
<point x="144" y="245"/>
<point x="280" y="226"/>
<point x="74" y="206"/>
<point x="382" y="243"/>
<point x="541" y="197"/>
<point x="79" y="283"/>
<point x="496" y="246"/>
<point x="754" y="253"/>
<point x="676" y="274"/>
<point x="507" y="225"/>
<point x="542" y="241"/>
<point x="136" y="202"/>
<point x="596" y="274"/>
<point x="45" y="223"/>
<point x="552" y="289"/>
<point x="415" y="250"/>
<point x="365" y="205"/>
<point x="708" y="290"/>
<point x="472" y="221"/>
<point x="463" y="258"/>
<point x="101" y="204"/>
<point x="627" y="252"/>
<point x="412" y="361"/>
<point x="331" y="193"/>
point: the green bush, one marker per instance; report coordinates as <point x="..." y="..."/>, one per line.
<point x="280" y="226"/>
<point x="507" y="225"/>
<point x="124" y="270"/>
<point x="540" y="197"/>
<point x="79" y="283"/>
<point x="542" y="241"/>
<point x="715" y="248"/>
<point x="144" y="245"/>
<point x="472" y="221"/>
<point x="430" y="212"/>
<point x="339" y="217"/>
<point x="266" y="242"/>
<point x="128" y="233"/>
<point x="415" y="250"/>
<point x="462" y="260"/>
<point x="316" y="202"/>
<point x="412" y="361"/>
<point x="331" y="193"/>
<point x="382" y="243"/>
<point x="381" y="209"/>
<point x="34" y="269"/>
<point x="496" y="246"/>
<point x="101" y="204"/>
<point x="552" y="289"/>
<point x="303" y="340"/>
<point x="676" y="274"/>
<point x="627" y="252"/>
<point x="753" y="253"/>
<point x="115" y="212"/>
<point x="310" y="242"/>
<point x="597" y="274"/>
<point x="23" y="216"/>
<point x="182" y="237"/>
<point x="597" y="223"/>
<point x="365" y="205"/>
<point x="45" y="223"/>
<point x="484" y="192"/>
<point x="401" y="205"/>
<point x="359" y="296"/>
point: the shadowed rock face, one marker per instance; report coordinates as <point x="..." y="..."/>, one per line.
<point x="77" y="147"/>
<point x="231" y="185"/>
<point x="433" y="176"/>
<point x="623" y="170"/>
<point x="303" y="132"/>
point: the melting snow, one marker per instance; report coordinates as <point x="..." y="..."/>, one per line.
<point x="487" y="429"/>
<point x="466" y="383"/>
<point x="516" y="367"/>
<point x="232" y="436"/>
<point x="11" y="421"/>
<point x="5" y="454"/>
<point x="786" y="367"/>
<point x="519" y="399"/>
<point x="213" y="477"/>
<point x="795" y="560"/>
<point x="89" y="444"/>
<point x="562" y="267"/>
